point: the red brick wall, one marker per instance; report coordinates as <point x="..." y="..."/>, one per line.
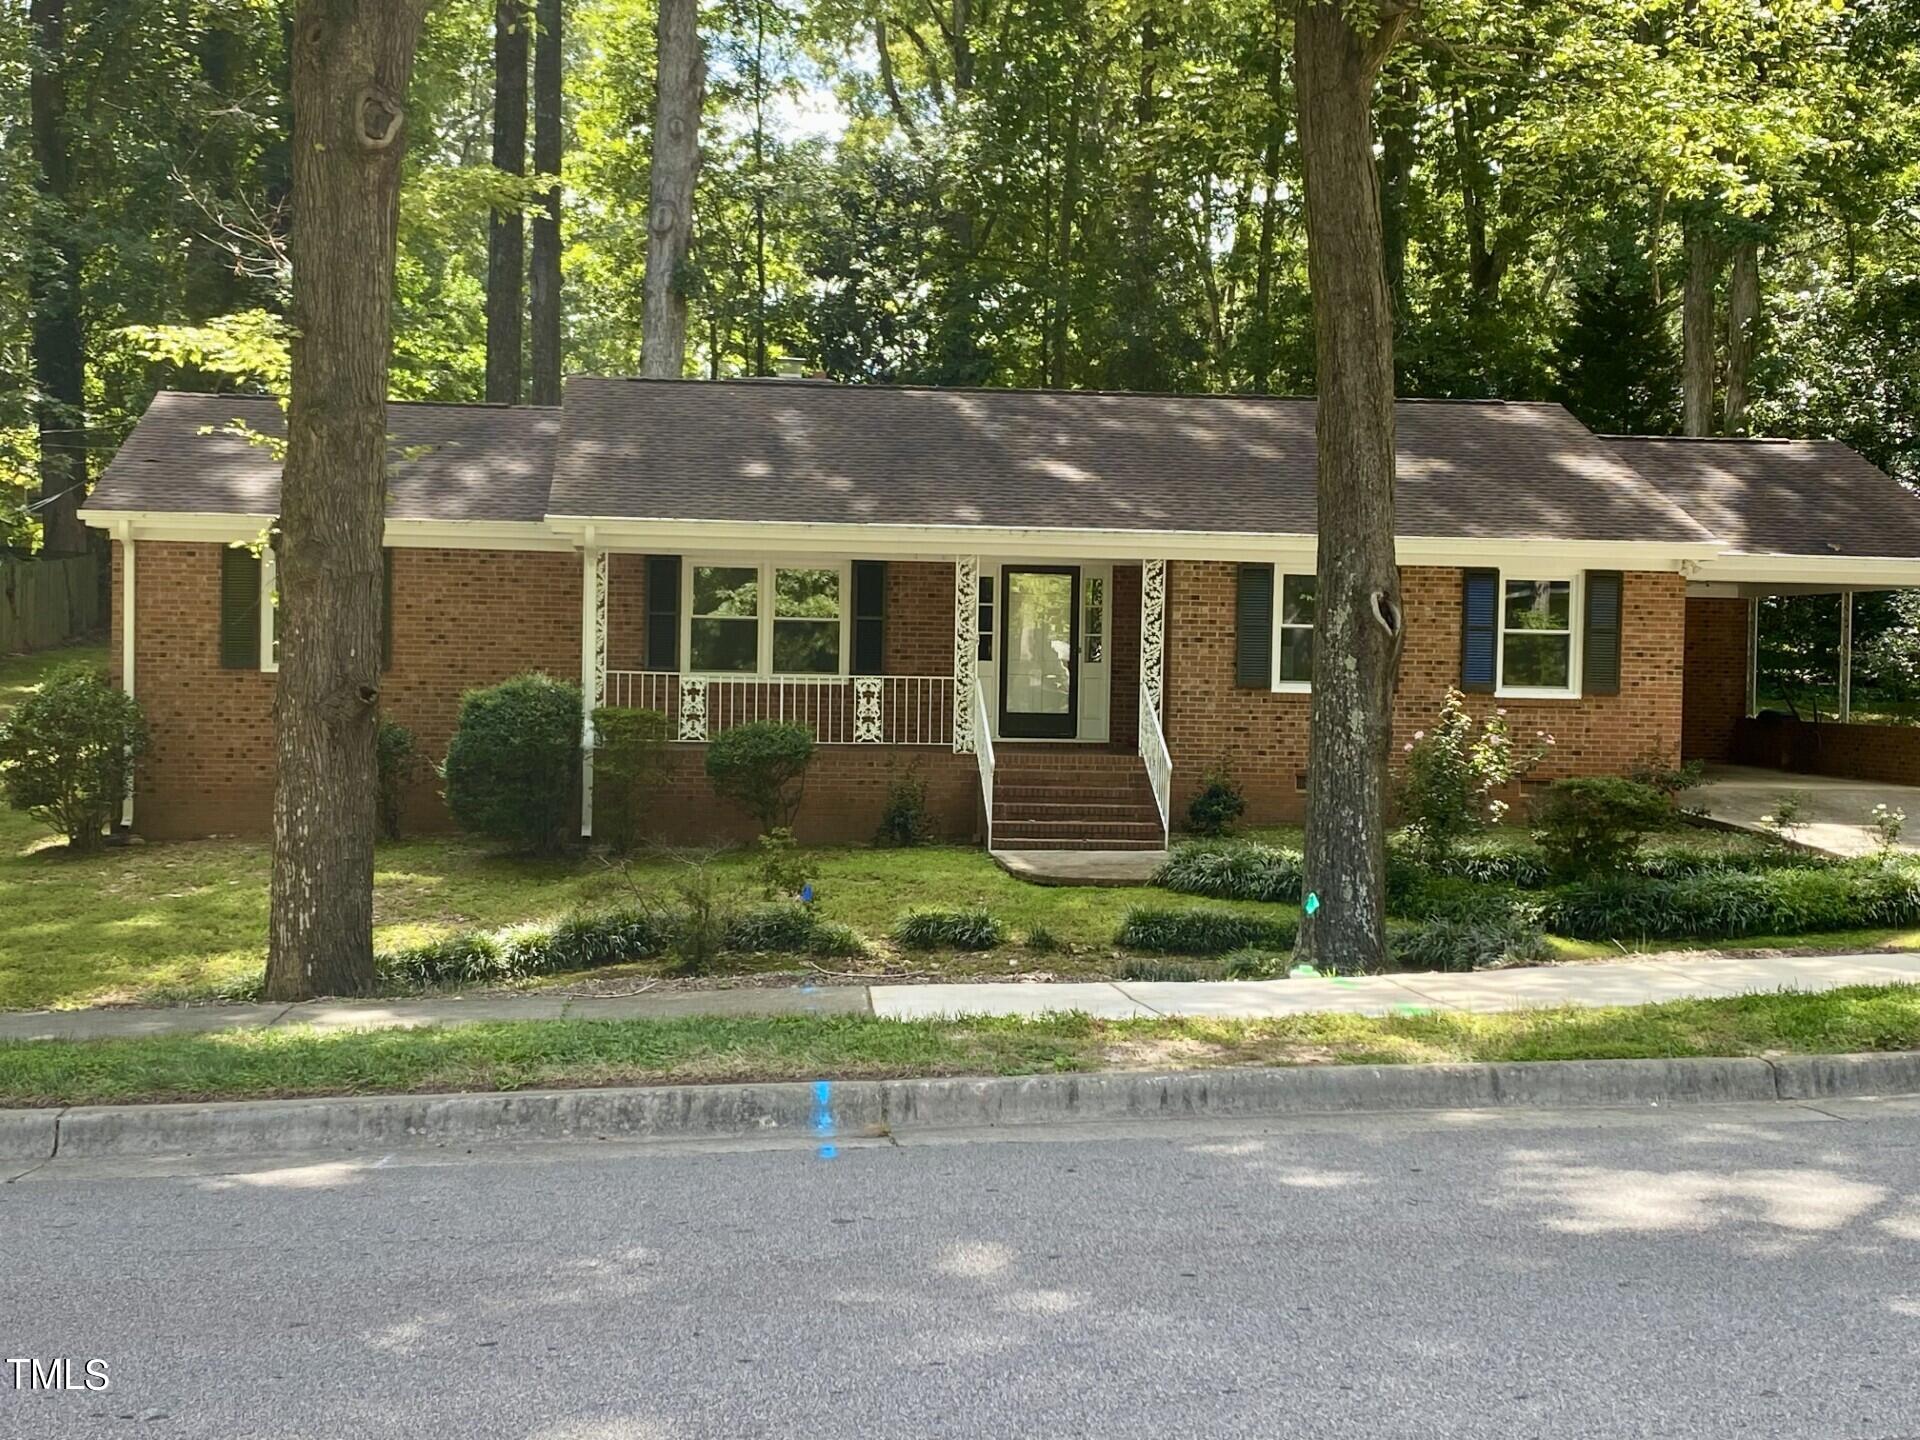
<point x="1715" y="698"/>
<point x="846" y="792"/>
<point x="919" y="631"/>
<point x="1262" y="736"/>
<point x="1885" y="753"/>
<point x="461" y="618"/>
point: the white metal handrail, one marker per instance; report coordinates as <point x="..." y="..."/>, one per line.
<point x="983" y="750"/>
<point x="1153" y="751"/>
<point x="838" y="709"/>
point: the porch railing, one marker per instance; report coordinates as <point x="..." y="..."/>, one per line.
<point x="1153" y="751"/>
<point x="839" y="710"/>
<point x="983" y="750"/>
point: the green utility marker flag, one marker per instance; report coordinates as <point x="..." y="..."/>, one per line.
<point x="1313" y="903"/>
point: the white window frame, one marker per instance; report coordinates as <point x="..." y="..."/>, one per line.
<point x="763" y="652"/>
<point x="1576" y="601"/>
<point x="1281" y="574"/>
<point x="269" y="609"/>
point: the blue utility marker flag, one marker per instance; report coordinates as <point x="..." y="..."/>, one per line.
<point x="1313" y="903"/>
<point x="806" y="893"/>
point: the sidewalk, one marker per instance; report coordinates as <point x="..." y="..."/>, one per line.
<point x="1639" y="982"/>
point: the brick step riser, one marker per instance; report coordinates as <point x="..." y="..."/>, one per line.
<point x="1135" y="815"/>
<point x="1073" y="794"/>
<point x="1001" y="842"/>
<point x="1090" y="836"/>
<point x="1056" y="764"/>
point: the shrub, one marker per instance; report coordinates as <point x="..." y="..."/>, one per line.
<point x="783" y="869"/>
<point x="768" y="929"/>
<point x="1201" y="930"/>
<point x="1468" y="944"/>
<point x="1255" y="964"/>
<point x="904" y="821"/>
<point x="629" y="759"/>
<point x="514" y="762"/>
<point x="701" y="916"/>
<point x="1447" y="791"/>
<point x="1454" y="897"/>
<point x="68" y="751"/>
<point x="396" y="763"/>
<point x="1040" y="940"/>
<point x="476" y="957"/>
<point x="1499" y="859"/>
<point x="1151" y="970"/>
<point x="1594" y="824"/>
<point x="1731" y="904"/>
<point x="1651" y="769"/>
<point x="1217" y="804"/>
<point x="762" y="767"/>
<point x="1887" y="822"/>
<point x="1232" y="870"/>
<point x="944" y="927"/>
<point x="1789" y="814"/>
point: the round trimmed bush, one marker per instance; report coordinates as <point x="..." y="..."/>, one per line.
<point x="513" y="768"/>
<point x="762" y="767"/>
<point x="67" y="753"/>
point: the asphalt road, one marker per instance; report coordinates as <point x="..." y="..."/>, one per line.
<point x="1739" y="1272"/>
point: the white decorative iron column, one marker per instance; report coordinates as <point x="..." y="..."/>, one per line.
<point x="966" y="649"/>
<point x="1153" y="637"/>
<point x="126" y="645"/>
<point x="593" y="666"/>
<point x="1846" y="656"/>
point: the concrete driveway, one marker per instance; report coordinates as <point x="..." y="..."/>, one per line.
<point x="1834" y="813"/>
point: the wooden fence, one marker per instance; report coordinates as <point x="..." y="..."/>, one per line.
<point x="48" y="602"/>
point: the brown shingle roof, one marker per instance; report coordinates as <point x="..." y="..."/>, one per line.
<point x="480" y="462"/>
<point x="1782" y="497"/>
<point x="812" y="452"/>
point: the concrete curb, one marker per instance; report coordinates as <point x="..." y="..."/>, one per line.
<point x="856" y="1108"/>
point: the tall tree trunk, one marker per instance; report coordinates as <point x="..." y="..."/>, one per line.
<point x="1743" y="324"/>
<point x="53" y="292"/>
<point x="1269" y="204"/>
<point x="1358" y="624"/>
<point x="681" y="86"/>
<point x="547" y="156"/>
<point x="1397" y="158"/>
<point x="1060" y="321"/>
<point x="353" y="60"/>
<point x="506" y="228"/>
<point x="1141" y="366"/>
<point x="760" y="189"/>
<point x="1696" y="328"/>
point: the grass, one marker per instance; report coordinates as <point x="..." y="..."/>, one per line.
<point x="533" y="1054"/>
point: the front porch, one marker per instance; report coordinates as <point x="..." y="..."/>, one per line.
<point x="1043" y="675"/>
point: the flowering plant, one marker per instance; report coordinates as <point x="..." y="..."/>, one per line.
<point x="1452" y="774"/>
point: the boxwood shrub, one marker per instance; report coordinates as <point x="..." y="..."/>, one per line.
<point x="1731" y="904"/>
<point x="1232" y="870"/>
<point x="513" y="766"/>
<point x="948" y="927"/>
<point x="1202" y="930"/>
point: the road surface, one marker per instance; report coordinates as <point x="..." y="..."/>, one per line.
<point x="1748" y="1271"/>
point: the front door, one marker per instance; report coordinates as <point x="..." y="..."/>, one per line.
<point x="1040" y="652"/>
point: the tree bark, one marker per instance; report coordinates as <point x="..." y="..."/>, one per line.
<point x="1060" y="320"/>
<point x="548" y="150"/>
<point x="1141" y="364"/>
<point x="506" y="228"/>
<point x="352" y="63"/>
<point x="1358" y="624"/>
<point x="1269" y="204"/>
<point x="1696" y="328"/>
<point x="681" y="86"/>
<point x="1743" y="324"/>
<point x="53" y="292"/>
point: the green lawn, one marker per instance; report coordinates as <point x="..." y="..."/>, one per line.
<point x="533" y="1054"/>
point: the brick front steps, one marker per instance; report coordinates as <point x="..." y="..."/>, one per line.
<point x="1072" y="797"/>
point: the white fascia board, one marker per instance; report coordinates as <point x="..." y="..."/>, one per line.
<point x="404" y="534"/>
<point x="941" y="541"/>
<point x="1767" y="574"/>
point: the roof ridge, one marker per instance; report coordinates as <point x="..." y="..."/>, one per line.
<point x="1726" y="439"/>
<point x="409" y="404"/>
<point x="915" y="387"/>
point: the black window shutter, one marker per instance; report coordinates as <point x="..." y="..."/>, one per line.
<point x="1253" y="625"/>
<point x="869" y="616"/>
<point x="1479" y="629"/>
<point x="386" y="609"/>
<point x="239" y="609"/>
<point x="1600" y="645"/>
<point x="663" y="612"/>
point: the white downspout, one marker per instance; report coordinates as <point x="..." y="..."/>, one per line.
<point x="1846" y="656"/>
<point x="590" y="612"/>
<point x="126" y="640"/>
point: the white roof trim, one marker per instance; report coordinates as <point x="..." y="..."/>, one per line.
<point x="403" y="534"/>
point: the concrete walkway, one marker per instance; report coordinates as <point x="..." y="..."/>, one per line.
<point x="1835" y="814"/>
<point x="1638" y="982"/>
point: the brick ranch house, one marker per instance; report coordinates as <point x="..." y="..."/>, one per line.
<point x="1057" y="608"/>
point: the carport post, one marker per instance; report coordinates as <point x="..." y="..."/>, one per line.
<point x="1753" y="657"/>
<point x="1846" y="656"/>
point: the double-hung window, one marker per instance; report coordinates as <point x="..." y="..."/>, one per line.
<point x="1293" y="638"/>
<point x="1537" y="636"/>
<point x="766" y="619"/>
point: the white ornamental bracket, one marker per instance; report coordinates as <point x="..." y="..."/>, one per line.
<point x="966" y="649"/>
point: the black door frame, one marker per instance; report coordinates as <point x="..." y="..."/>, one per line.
<point x="1041" y="727"/>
